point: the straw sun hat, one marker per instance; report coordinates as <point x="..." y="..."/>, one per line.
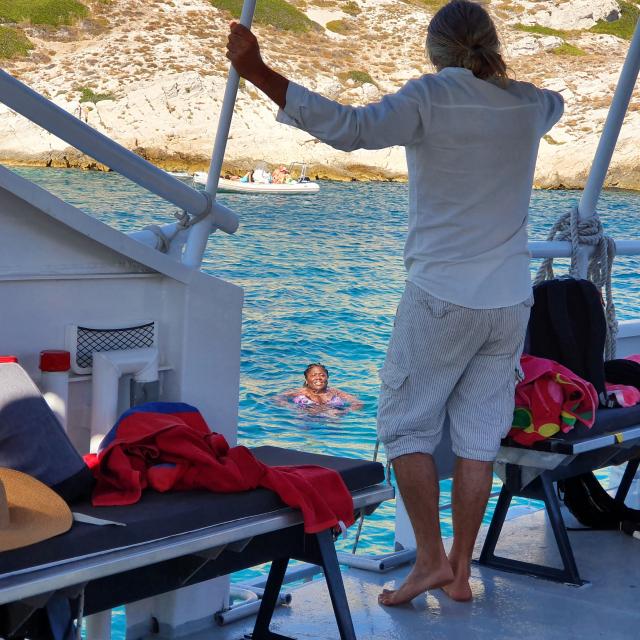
<point x="29" y="511"/>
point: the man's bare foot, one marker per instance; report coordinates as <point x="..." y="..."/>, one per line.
<point x="417" y="582"/>
<point x="459" y="589"/>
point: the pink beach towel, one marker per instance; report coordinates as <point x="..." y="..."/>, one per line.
<point x="551" y="398"/>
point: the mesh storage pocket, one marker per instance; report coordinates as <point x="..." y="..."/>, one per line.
<point x="82" y="342"/>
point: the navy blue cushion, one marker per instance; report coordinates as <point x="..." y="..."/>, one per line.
<point x="33" y="441"/>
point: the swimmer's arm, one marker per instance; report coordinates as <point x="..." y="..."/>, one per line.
<point x="284" y="398"/>
<point x="354" y="403"/>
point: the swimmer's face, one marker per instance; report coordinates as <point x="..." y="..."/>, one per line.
<point x="317" y="379"/>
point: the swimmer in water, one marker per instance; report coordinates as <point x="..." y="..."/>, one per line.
<point x="316" y="394"/>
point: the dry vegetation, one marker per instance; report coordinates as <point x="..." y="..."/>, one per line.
<point x="123" y="41"/>
<point x="356" y="42"/>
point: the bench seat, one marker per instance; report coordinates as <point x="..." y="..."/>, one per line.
<point x="177" y="539"/>
<point x="530" y="472"/>
<point x="608" y="426"/>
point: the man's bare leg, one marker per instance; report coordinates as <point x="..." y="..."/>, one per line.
<point x="418" y="483"/>
<point x="471" y="490"/>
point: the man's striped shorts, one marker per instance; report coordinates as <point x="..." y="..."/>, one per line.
<point x="444" y="359"/>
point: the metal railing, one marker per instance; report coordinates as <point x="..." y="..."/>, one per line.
<point x="602" y="159"/>
<point x="30" y="104"/>
<point x="561" y="249"/>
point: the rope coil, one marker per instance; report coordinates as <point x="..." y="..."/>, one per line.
<point x="589" y="231"/>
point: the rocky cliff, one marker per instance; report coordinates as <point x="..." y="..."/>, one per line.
<point x="151" y="74"/>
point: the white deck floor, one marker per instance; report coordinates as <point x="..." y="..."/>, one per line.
<point x="505" y="607"/>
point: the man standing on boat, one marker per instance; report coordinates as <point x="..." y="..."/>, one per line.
<point x="471" y="136"/>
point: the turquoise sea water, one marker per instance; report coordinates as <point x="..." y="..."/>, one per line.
<point x="322" y="276"/>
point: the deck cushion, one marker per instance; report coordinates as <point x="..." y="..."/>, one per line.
<point x="606" y="420"/>
<point x="158" y="515"/>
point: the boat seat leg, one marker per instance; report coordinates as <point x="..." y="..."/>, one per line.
<point x="333" y="577"/>
<point x="542" y="489"/>
<point x="487" y="555"/>
<point x="268" y="603"/>
<point x="627" y="478"/>
<point x="570" y="573"/>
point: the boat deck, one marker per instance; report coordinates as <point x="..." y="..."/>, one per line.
<point x="505" y="605"/>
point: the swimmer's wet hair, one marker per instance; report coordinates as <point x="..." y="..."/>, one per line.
<point x="311" y="366"/>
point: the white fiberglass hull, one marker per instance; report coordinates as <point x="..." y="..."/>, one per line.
<point x="235" y="186"/>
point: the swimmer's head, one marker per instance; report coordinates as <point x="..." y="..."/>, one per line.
<point x="316" y="376"/>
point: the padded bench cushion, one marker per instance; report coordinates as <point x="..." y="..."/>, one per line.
<point x="159" y="515"/>
<point x="607" y="421"/>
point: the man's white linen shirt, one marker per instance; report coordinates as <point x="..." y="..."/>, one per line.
<point x="471" y="150"/>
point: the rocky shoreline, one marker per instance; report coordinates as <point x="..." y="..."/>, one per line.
<point x="72" y="159"/>
<point x="568" y="172"/>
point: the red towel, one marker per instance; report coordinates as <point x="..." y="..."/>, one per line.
<point x="169" y="447"/>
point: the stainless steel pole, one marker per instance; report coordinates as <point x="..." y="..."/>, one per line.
<point x="612" y="126"/>
<point x="199" y="233"/>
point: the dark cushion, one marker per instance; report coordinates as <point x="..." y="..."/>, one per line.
<point x="356" y="473"/>
<point x="622" y="371"/>
<point x="158" y="515"/>
<point x="607" y="420"/>
<point x="33" y="441"/>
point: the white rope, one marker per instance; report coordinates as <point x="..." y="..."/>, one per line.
<point x="587" y="232"/>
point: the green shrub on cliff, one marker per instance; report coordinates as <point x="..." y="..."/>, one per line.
<point x="566" y="49"/>
<point x="44" y="12"/>
<point x="352" y="8"/>
<point x="338" y="26"/>
<point x="277" y="13"/>
<point x="88" y="95"/>
<point x="540" y="30"/>
<point x="433" y="5"/>
<point x="13" y="43"/>
<point x="622" y="27"/>
<point x="358" y="77"/>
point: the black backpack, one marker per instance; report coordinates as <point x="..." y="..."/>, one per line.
<point x="568" y="325"/>
<point x="592" y="506"/>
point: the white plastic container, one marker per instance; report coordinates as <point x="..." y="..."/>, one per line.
<point x="55" y="366"/>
